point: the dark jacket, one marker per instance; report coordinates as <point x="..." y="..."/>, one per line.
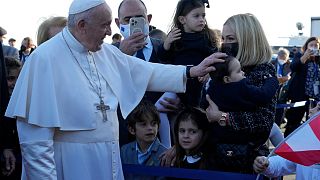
<point x="297" y="87"/>
<point x="241" y="96"/>
<point x="10" y="51"/>
<point x="248" y="128"/>
<point x="190" y="49"/>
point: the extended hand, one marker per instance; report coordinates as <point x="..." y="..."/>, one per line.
<point x="206" y="65"/>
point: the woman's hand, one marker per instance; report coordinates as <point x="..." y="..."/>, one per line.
<point x="173" y="35"/>
<point x="168" y="158"/>
<point x="213" y="113"/>
<point x="306" y="56"/>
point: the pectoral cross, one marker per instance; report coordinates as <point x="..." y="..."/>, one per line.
<point x="103" y="108"/>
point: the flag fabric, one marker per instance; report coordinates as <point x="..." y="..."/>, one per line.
<point x="303" y="145"/>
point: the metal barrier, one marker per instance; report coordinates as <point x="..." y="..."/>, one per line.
<point x="183" y="173"/>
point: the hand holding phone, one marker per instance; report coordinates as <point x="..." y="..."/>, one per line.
<point x="137" y="24"/>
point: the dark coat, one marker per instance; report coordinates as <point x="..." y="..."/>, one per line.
<point x="297" y="87"/>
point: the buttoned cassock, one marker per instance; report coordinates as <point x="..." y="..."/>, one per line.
<point x="62" y="134"/>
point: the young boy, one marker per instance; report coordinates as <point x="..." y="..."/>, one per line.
<point x="143" y="123"/>
<point x="13" y="69"/>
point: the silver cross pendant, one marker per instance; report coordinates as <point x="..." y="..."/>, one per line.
<point x="103" y="108"/>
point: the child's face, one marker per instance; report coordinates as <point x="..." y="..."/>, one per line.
<point x="12" y="79"/>
<point x="146" y="131"/>
<point x="189" y="135"/>
<point x="194" y="21"/>
<point x="236" y="74"/>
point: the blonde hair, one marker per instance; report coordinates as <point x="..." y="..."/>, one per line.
<point x="43" y="30"/>
<point x="253" y="44"/>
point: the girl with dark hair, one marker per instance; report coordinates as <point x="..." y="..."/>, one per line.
<point x="191" y="130"/>
<point x="188" y="43"/>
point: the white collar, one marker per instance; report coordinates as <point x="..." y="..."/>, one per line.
<point x="192" y="159"/>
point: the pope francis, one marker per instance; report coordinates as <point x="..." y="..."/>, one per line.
<point x="65" y="100"/>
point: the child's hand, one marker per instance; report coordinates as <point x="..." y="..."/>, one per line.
<point x="204" y="79"/>
<point x="260" y="164"/>
<point x="314" y="110"/>
<point x="173" y="35"/>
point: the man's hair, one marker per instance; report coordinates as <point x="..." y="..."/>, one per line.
<point x="253" y="44"/>
<point x="144" y="110"/>
<point x="12" y="40"/>
<point x="73" y="19"/>
<point x="120" y="5"/>
<point x="12" y="63"/>
<point x="116" y="36"/>
<point x="2" y="31"/>
<point x="158" y="34"/>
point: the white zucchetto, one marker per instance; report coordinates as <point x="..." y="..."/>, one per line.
<point x="79" y="6"/>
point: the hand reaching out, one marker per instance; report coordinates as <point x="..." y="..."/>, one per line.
<point x="10" y="162"/>
<point x="173" y="35"/>
<point x="260" y="164"/>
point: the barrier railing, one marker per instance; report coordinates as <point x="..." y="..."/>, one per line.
<point x="183" y="173"/>
<point x="296" y="104"/>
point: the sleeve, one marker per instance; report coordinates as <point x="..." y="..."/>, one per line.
<point x="296" y="64"/>
<point x="166" y="57"/>
<point x="257" y="123"/>
<point x="16" y="54"/>
<point x="7" y="133"/>
<point x="262" y="95"/>
<point x="37" y="151"/>
<point x="279" y="166"/>
<point x="276" y="135"/>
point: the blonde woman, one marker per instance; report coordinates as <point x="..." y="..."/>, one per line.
<point x="244" y="38"/>
<point x="50" y="28"/>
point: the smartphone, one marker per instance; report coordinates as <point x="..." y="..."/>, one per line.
<point x="137" y="24"/>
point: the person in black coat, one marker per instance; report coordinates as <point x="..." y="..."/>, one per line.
<point x="301" y="64"/>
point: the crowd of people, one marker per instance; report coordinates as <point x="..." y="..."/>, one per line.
<point x="191" y="98"/>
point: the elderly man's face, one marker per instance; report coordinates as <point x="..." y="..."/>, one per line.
<point x="97" y="27"/>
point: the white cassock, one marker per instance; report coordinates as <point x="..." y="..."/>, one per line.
<point x="61" y="131"/>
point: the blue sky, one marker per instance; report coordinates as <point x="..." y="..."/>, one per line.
<point x="278" y="17"/>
